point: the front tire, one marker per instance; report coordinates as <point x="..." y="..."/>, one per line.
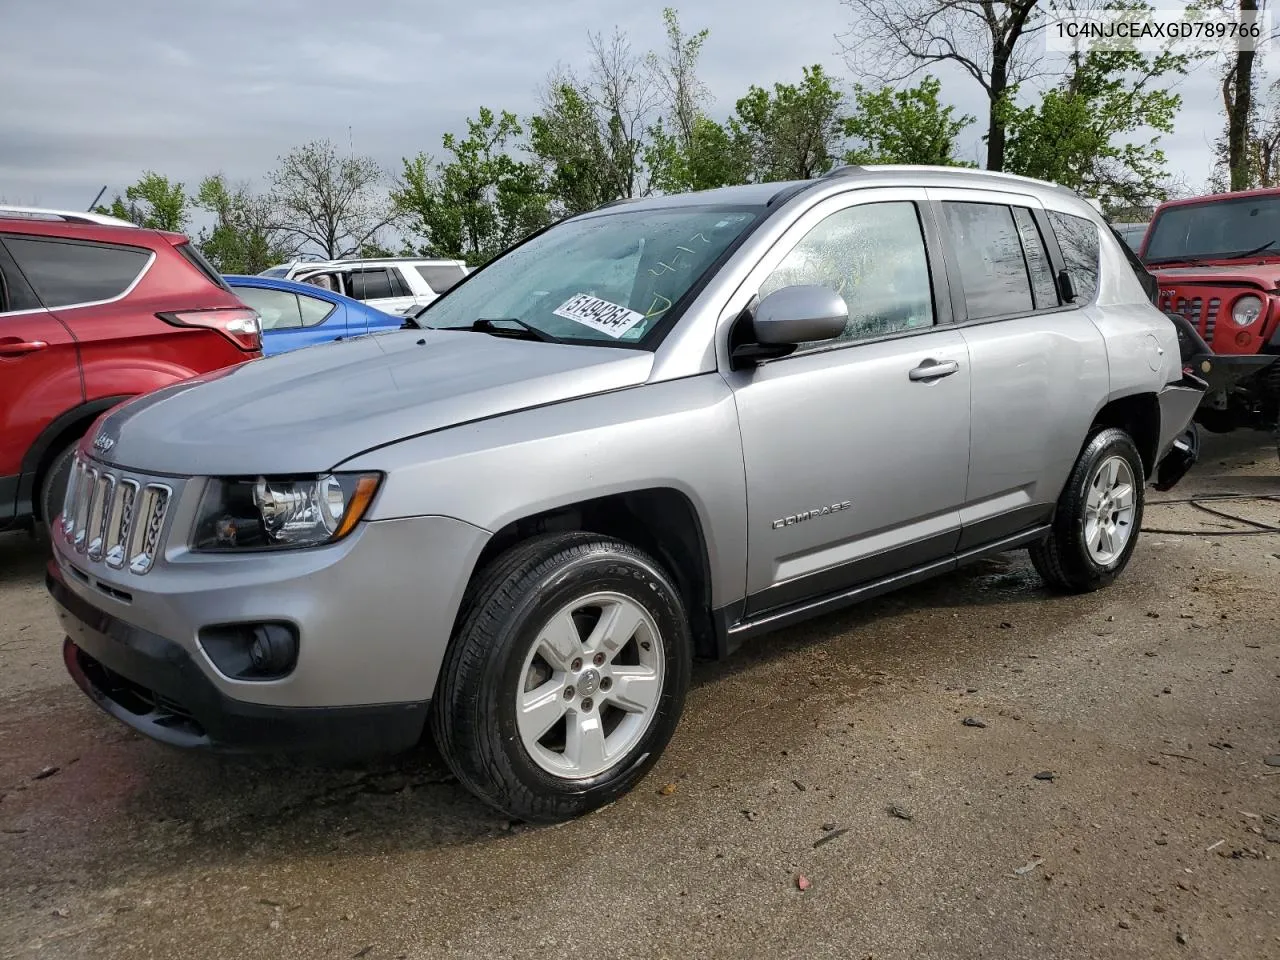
<point x="1098" y="518"/>
<point x="53" y="486"/>
<point x="565" y="678"/>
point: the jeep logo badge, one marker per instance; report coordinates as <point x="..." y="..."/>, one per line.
<point x="102" y="443"/>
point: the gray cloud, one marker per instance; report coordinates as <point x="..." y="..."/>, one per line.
<point x="190" y="88"/>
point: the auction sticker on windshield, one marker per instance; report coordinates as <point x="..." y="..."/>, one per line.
<point x="609" y="318"/>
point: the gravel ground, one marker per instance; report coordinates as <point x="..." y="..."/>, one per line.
<point x="971" y="768"/>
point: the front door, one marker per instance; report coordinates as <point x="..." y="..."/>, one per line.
<point x="856" y="450"/>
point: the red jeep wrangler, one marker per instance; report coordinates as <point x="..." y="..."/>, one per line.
<point x="93" y="311"/>
<point x="1217" y="262"/>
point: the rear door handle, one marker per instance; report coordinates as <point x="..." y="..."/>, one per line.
<point x="933" y="370"/>
<point x="18" y="348"/>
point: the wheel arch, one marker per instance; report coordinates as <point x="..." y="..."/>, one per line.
<point x="1137" y="414"/>
<point x="662" y="521"/>
<point x="60" y="431"/>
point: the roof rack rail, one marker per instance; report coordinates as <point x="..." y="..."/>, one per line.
<point x="615" y="203"/>
<point x="844" y="170"/>
<point x="65" y="216"/>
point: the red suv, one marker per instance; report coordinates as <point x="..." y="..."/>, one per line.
<point x="93" y="311"/>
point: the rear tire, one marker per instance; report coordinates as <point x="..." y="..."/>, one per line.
<point x="1095" y="529"/>
<point x="565" y="678"/>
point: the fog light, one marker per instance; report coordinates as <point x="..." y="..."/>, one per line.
<point x="1242" y="339"/>
<point x="252" y="651"/>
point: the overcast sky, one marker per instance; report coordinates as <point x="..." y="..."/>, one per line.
<point x="95" y="92"/>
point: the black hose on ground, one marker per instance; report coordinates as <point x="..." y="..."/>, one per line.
<point x="1199" y="502"/>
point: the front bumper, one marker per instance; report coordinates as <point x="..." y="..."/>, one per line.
<point x="156" y="687"/>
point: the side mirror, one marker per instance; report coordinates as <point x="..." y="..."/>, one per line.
<point x="788" y="317"/>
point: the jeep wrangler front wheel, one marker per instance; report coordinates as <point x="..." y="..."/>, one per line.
<point x="565" y="678"/>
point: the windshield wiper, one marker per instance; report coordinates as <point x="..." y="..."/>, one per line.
<point x="522" y="331"/>
<point x="1201" y="258"/>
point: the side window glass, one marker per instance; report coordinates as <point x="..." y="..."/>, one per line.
<point x="1043" y="288"/>
<point x="15" y="293"/>
<point x="65" y="273"/>
<point x="440" y="277"/>
<point x="278" y="309"/>
<point x="370" y="284"/>
<point x="314" y="311"/>
<point x="874" y="256"/>
<point x="398" y="287"/>
<point x="1078" y="238"/>
<point x="988" y="249"/>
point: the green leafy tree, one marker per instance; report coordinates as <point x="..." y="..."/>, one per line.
<point x="246" y="235"/>
<point x="710" y="157"/>
<point x="1089" y="132"/>
<point x="791" y="133"/>
<point x="331" y="202"/>
<point x="153" y="202"/>
<point x="590" y="135"/>
<point x="905" y="126"/>
<point x="479" y="201"/>
<point x="120" y="210"/>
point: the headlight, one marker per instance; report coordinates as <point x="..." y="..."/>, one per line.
<point x="270" y="513"/>
<point x="1246" y="310"/>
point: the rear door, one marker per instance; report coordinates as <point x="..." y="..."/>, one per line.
<point x="39" y="374"/>
<point x="1039" y="365"/>
<point x="291" y="320"/>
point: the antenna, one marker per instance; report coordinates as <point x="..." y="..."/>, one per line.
<point x="93" y="205"/>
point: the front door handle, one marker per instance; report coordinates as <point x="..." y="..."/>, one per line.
<point x="18" y="348"/>
<point x="933" y="370"/>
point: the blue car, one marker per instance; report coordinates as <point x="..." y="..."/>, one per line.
<point x="298" y="315"/>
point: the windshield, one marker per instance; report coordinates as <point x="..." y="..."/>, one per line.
<point x="274" y="272"/>
<point x="1217" y="229"/>
<point x="603" y="279"/>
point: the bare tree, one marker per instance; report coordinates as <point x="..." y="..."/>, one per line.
<point x="333" y="202"/>
<point x="591" y="133"/>
<point x="894" y="39"/>
<point x="675" y="72"/>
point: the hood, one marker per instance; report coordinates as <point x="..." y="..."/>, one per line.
<point x="1264" y="275"/>
<point x="308" y="410"/>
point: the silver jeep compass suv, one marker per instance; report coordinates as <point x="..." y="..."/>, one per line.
<point x="644" y="434"/>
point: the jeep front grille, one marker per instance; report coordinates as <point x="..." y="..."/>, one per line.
<point x="1200" y="311"/>
<point x="113" y="518"/>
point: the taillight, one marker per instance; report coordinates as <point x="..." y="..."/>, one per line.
<point x="240" y="325"/>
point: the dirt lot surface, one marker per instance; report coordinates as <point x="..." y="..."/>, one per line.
<point x="972" y="768"/>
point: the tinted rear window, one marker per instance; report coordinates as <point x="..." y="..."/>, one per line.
<point x="440" y="278"/>
<point x="67" y="272"/>
<point x="993" y="271"/>
<point x="370" y="284"/>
